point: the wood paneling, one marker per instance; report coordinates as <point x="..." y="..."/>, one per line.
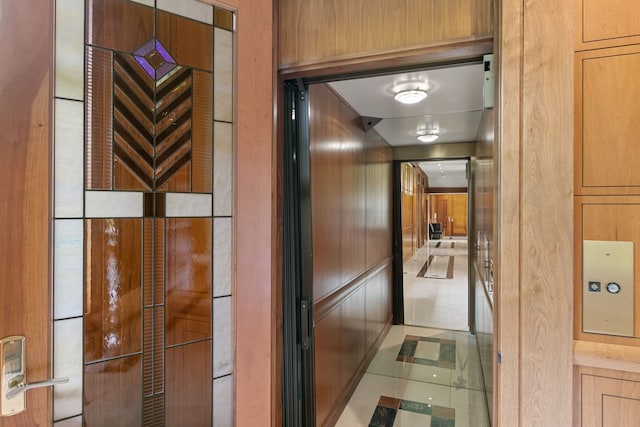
<point x="602" y="23"/>
<point x="606" y="92"/>
<point x="607" y="219"/>
<point x="257" y="214"/>
<point x="412" y="186"/>
<point x="545" y="197"/>
<point x="318" y="30"/>
<point x="350" y="201"/>
<point x="346" y="338"/>
<point x="326" y="200"/>
<point x="26" y="44"/>
<point x="608" y="398"/>
<point x="352" y="194"/>
<point x="532" y="301"/>
<point x="452" y="212"/>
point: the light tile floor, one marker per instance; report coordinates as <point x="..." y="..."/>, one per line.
<point x="416" y="379"/>
<point x="437" y="303"/>
<point x="401" y="393"/>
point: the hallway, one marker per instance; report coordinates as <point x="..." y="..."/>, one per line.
<point x="428" y="371"/>
<point x="437" y="296"/>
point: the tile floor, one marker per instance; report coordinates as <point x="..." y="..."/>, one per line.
<point x="425" y="376"/>
<point x="437" y="302"/>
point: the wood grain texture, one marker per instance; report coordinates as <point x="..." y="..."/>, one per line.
<point x="608" y="399"/>
<point x="607" y="160"/>
<point x="601" y="23"/>
<point x="189" y="42"/>
<point x="326" y="200"/>
<point x="256" y="210"/>
<point x="509" y="57"/>
<point x="26" y="45"/>
<point x="546" y="302"/>
<point x="320" y="30"/>
<point x="118" y="24"/>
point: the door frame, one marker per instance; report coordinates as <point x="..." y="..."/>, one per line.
<point x="398" y="276"/>
<point x="302" y="369"/>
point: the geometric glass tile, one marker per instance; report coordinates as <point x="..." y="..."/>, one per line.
<point x="428" y="351"/>
<point x="67" y="362"/>
<point x="154" y="59"/>
<point x="195" y="10"/>
<point x="113" y="296"/>
<point x="68" y="273"/>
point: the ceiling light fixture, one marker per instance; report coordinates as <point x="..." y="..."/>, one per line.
<point x="428" y="135"/>
<point x="410" y="96"/>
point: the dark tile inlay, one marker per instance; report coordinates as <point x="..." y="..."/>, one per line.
<point x="446" y="357"/>
<point x="383" y="417"/>
<point x="387" y="410"/>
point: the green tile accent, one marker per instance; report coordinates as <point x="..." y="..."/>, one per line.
<point x="408" y="348"/>
<point x="383" y="417"/>
<point x="426" y="362"/>
<point x="448" y="353"/>
<point x="441" y="422"/>
<point x="418" y="407"/>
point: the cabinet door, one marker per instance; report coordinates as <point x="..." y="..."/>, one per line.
<point x="609" y="402"/>
<point x="606" y="127"/>
<point x="602" y="23"/>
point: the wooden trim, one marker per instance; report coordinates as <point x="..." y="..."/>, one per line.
<point x="446" y="190"/>
<point x="508" y="59"/>
<point x="450" y="51"/>
<point x="606" y="356"/>
<point x="333" y="300"/>
<point x="342" y="402"/>
<point x="255" y="228"/>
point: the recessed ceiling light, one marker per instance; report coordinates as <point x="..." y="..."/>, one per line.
<point x="427" y="135"/>
<point x="410" y="96"/>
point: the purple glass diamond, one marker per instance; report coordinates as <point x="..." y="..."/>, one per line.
<point x="154" y="59"/>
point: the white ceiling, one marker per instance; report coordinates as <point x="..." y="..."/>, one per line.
<point x="446" y="173"/>
<point x="454" y="106"/>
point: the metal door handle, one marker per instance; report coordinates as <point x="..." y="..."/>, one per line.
<point x="15" y="390"/>
<point x="13" y="376"/>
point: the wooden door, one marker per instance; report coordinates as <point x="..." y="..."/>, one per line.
<point x="459" y="217"/>
<point x="25" y="150"/>
<point x="119" y="267"/>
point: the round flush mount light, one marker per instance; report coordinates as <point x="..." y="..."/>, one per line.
<point x="410" y="96"/>
<point x="428" y="135"/>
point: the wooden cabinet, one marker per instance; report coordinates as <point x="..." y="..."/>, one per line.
<point x="602" y="23"/>
<point x="607" y="158"/>
<point x="608" y="398"/>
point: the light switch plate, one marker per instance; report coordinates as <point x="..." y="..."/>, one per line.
<point x="604" y="312"/>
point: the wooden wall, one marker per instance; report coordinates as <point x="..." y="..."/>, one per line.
<point x="482" y="248"/>
<point x="533" y="302"/>
<point x="351" y="226"/>
<point x="413" y="187"/>
<point x="607" y="198"/>
<point x="321" y="30"/>
<point x="257" y="219"/>
<point x="451" y="210"/>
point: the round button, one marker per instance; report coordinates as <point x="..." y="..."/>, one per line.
<point x="613" y="288"/>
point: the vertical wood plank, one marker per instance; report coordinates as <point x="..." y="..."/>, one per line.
<point x="546" y="301"/>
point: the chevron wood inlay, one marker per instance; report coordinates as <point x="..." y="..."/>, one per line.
<point x="151" y="121"/>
